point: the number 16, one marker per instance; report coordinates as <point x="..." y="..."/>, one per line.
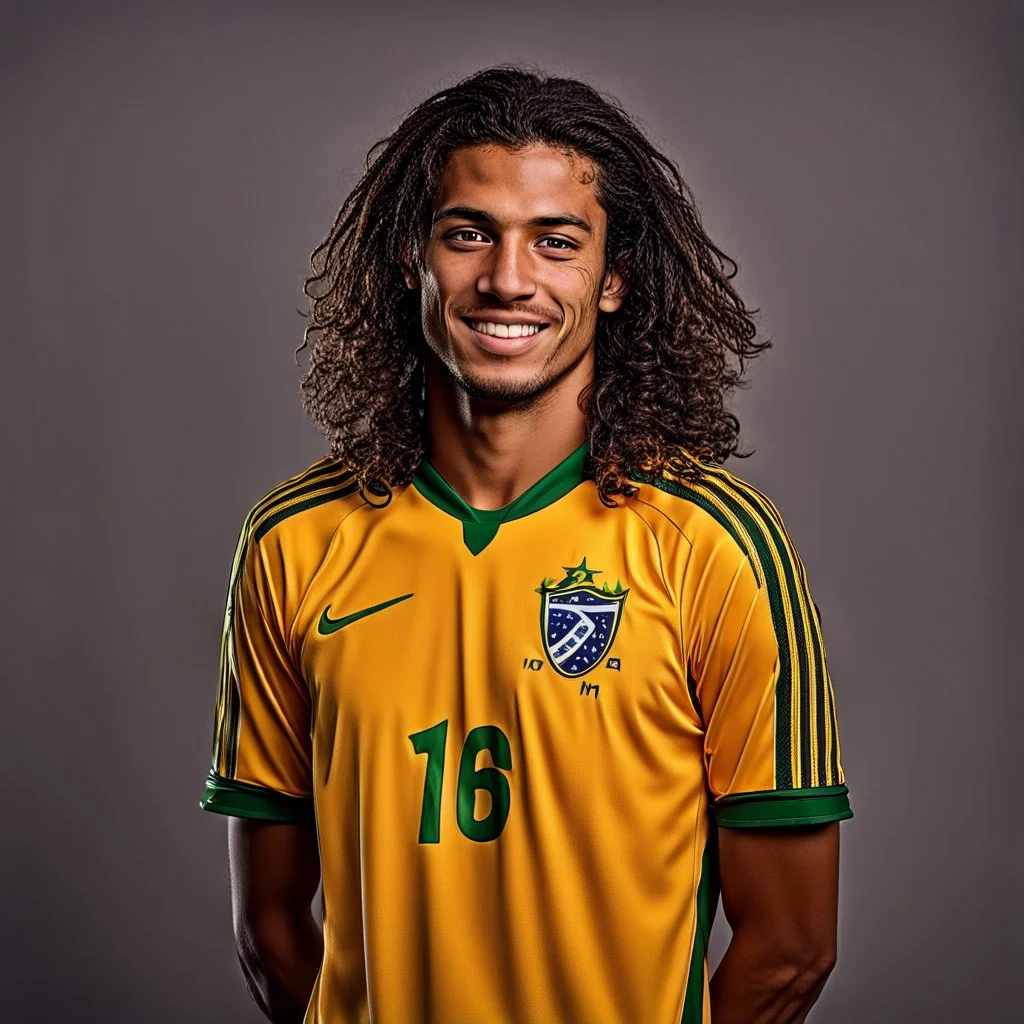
<point x="432" y="742"/>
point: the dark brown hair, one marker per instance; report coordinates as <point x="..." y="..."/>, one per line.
<point x="662" y="361"/>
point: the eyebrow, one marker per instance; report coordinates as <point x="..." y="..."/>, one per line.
<point x="553" y="220"/>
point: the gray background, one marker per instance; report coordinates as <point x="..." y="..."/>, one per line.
<point x="168" y="168"/>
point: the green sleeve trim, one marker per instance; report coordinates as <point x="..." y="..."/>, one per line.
<point x="242" y="800"/>
<point x="778" y="808"/>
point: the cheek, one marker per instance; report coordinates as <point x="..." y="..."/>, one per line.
<point x="429" y="290"/>
<point x="439" y="292"/>
<point x="585" y="277"/>
<point x="435" y="310"/>
<point x="580" y="296"/>
<point x="579" y="285"/>
<point x="430" y="301"/>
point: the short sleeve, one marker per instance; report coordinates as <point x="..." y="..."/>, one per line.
<point x="760" y="682"/>
<point x="261" y="748"/>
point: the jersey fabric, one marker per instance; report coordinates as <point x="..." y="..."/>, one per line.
<point x="518" y="731"/>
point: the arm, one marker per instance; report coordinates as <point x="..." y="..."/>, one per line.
<point x="759" y="681"/>
<point x="275" y="870"/>
<point x="780" y="892"/>
<point x="261" y="778"/>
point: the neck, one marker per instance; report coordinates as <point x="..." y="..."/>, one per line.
<point x="491" y="452"/>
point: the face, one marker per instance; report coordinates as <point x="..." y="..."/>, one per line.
<point x="512" y="278"/>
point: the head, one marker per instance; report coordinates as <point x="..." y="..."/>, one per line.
<point x="518" y="197"/>
<point x="511" y="273"/>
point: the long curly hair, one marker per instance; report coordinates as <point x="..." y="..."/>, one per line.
<point x="662" y="360"/>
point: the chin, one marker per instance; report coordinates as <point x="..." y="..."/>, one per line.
<point x="507" y="388"/>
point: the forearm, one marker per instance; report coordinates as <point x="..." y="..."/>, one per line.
<point x="754" y="984"/>
<point x="280" y="959"/>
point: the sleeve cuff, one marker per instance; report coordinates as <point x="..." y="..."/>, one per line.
<point x="783" y="807"/>
<point x="242" y="800"/>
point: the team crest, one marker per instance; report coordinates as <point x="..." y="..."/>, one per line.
<point x="578" y="619"/>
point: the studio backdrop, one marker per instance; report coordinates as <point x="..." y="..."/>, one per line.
<point x="168" y="168"/>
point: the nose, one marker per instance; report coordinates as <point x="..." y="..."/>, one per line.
<point x="506" y="275"/>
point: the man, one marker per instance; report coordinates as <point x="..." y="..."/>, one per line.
<point x="520" y="670"/>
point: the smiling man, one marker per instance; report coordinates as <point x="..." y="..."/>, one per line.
<point x="519" y="670"/>
<point x="545" y="329"/>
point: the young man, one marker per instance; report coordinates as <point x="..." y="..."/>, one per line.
<point x="519" y="669"/>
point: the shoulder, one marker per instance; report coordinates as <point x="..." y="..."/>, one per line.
<point x="715" y="507"/>
<point x="304" y="510"/>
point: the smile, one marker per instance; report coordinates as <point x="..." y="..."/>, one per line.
<point x="496" y="330"/>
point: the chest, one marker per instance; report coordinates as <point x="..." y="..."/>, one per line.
<point x="564" y="618"/>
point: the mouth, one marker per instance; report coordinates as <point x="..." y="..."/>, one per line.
<point x="505" y="339"/>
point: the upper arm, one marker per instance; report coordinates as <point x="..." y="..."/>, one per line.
<point x="262" y="756"/>
<point x="275" y="871"/>
<point x="761" y="685"/>
<point x="784" y="884"/>
<point x="759" y="675"/>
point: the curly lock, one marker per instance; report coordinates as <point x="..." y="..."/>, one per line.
<point x="662" y="366"/>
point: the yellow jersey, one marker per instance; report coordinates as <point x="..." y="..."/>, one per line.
<point x="517" y="732"/>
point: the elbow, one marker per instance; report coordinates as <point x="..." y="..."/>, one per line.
<point x="251" y="960"/>
<point x="280" y="954"/>
<point x="252" y="951"/>
<point x="789" y="961"/>
<point x="805" y="971"/>
<point x="825" y="962"/>
<point x="265" y="947"/>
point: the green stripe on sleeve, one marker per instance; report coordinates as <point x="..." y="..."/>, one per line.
<point x="780" y="808"/>
<point x="242" y="800"/>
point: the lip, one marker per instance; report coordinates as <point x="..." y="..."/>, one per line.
<point x="506" y="346"/>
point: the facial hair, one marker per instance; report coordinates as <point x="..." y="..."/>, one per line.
<point x="518" y="393"/>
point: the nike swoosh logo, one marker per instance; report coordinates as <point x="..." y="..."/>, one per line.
<point x="327" y="625"/>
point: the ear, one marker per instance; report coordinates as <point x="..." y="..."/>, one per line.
<point x="613" y="291"/>
<point x="412" y="279"/>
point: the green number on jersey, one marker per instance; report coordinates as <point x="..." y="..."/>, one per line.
<point x="431" y="742"/>
<point x="471" y="778"/>
<point x="484" y="737"/>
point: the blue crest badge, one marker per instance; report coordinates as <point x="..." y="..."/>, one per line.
<point x="578" y="619"/>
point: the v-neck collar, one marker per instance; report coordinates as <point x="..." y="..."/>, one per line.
<point x="479" y="526"/>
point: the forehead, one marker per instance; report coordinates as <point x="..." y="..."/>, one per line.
<point x="516" y="184"/>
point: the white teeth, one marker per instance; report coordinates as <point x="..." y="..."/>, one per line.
<point x="505" y="330"/>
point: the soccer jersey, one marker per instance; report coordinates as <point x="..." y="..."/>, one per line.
<point x="518" y="731"/>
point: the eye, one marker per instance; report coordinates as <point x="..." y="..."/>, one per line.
<point x="564" y="244"/>
<point x="466" y="231"/>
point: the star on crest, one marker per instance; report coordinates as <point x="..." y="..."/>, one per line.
<point x="579" y="574"/>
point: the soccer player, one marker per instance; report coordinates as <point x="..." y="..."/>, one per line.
<point x="519" y="669"/>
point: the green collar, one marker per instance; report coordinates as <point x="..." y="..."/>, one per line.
<point x="479" y="526"/>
